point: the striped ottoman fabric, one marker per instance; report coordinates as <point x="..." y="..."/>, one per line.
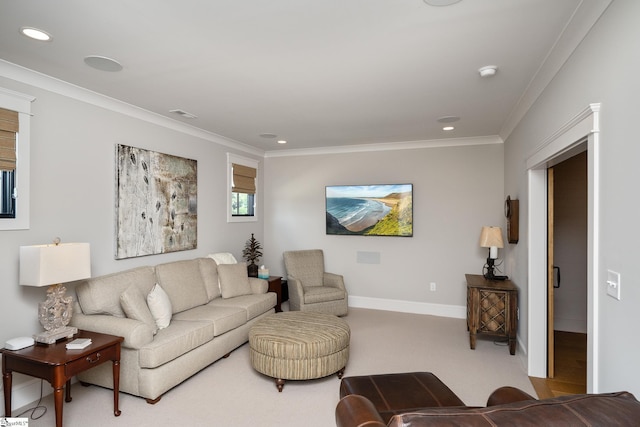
<point x="299" y="345"/>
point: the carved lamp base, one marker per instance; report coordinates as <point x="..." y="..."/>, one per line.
<point x="50" y="337"/>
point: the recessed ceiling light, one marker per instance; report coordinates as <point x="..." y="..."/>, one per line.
<point x="282" y="141"/>
<point x="102" y="63"/>
<point x="36" y="34"/>
<point x="488" y="71"/>
<point x="448" y="128"/>
<point x="441" y="2"/>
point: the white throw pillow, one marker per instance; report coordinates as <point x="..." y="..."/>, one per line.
<point x="234" y="280"/>
<point x="160" y="306"/>
<point x="223" y="258"/>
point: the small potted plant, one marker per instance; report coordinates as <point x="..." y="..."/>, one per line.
<point x="252" y="253"/>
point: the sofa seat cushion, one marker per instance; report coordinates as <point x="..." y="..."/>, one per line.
<point x="183" y="282"/>
<point x="252" y="305"/>
<point x="175" y="340"/>
<point x="606" y="409"/>
<point x="316" y="294"/>
<point x="223" y="318"/>
<point x="101" y="295"/>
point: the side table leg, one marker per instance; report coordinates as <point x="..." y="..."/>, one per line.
<point x="57" y="398"/>
<point x="472" y="340"/>
<point x="116" y="387"/>
<point x="512" y="346"/>
<point x="6" y="383"/>
<point x="67" y="387"/>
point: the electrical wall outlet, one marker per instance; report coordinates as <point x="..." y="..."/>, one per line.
<point x="613" y="284"/>
<point x="432" y="286"/>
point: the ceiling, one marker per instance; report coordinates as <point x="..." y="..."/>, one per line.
<point x="325" y="73"/>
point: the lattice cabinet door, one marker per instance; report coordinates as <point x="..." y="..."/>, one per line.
<point x="493" y="312"/>
<point x="492" y="309"/>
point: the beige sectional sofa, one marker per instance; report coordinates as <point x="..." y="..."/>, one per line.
<point x="209" y="310"/>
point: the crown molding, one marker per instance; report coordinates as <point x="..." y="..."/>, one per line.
<point x="60" y="87"/>
<point x="584" y="18"/>
<point x="388" y="146"/>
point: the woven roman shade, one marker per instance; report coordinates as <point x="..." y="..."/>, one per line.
<point x="244" y="179"/>
<point x="8" y="131"/>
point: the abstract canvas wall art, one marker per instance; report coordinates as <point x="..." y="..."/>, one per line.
<point x="156" y="203"/>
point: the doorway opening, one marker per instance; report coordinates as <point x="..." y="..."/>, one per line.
<point x="579" y="134"/>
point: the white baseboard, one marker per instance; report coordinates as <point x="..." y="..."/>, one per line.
<point x="442" y="310"/>
<point x="25" y="390"/>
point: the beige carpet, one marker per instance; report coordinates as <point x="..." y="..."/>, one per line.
<point x="230" y="393"/>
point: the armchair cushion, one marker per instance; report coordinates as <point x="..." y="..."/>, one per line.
<point x="307" y="266"/>
<point x="318" y="294"/>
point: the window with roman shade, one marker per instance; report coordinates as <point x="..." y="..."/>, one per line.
<point x="242" y="196"/>
<point x="244" y="179"/>
<point x="15" y="149"/>
<point x="8" y="131"/>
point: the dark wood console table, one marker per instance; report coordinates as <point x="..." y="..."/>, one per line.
<point x="492" y="308"/>
<point x="275" y="285"/>
<point x="57" y="365"/>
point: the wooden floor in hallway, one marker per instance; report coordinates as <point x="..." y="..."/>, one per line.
<point x="570" y="365"/>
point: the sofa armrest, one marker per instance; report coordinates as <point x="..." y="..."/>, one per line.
<point x="334" y="280"/>
<point x="135" y="333"/>
<point x="508" y="395"/>
<point x="354" y="410"/>
<point x="258" y="286"/>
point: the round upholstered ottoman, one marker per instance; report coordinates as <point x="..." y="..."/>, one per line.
<point x="299" y="345"/>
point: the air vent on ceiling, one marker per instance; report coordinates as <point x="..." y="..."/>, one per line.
<point x="184" y="114"/>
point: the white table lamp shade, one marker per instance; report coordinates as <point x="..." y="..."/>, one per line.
<point x="44" y="265"/>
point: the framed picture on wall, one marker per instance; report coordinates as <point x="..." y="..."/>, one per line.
<point x="369" y="210"/>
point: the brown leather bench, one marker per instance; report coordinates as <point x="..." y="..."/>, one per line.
<point x="398" y="393"/>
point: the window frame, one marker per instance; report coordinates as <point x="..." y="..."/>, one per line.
<point x="245" y="161"/>
<point x="21" y="103"/>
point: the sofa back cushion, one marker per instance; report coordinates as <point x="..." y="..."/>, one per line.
<point x="209" y="272"/>
<point x="182" y="281"/>
<point x="607" y="409"/>
<point x="101" y="295"/>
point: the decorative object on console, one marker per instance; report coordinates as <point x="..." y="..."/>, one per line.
<point x="52" y="265"/>
<point x="252" y="253"/>
<point x="491" y="237"/>
<point x="512" y="212"/>
<point x="263" y="273"/>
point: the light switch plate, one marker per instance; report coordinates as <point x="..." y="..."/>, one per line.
<point x="613" y="284"/>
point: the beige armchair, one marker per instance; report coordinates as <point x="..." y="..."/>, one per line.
<point x="310" y="287"/>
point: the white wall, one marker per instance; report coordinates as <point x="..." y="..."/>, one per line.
<point x="72" y="193"/>
<point x="456" y="190"/>
<point x="604" y="69"/>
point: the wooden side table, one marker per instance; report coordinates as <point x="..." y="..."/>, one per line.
<point x="57" y="365"/>
<point x="275" y="285"/>
<point x="492" y="309"/>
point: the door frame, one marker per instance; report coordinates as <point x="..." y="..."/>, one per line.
<point x="580" y="133"/>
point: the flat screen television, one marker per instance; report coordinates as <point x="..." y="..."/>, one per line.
<point x="370" y="210"/>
